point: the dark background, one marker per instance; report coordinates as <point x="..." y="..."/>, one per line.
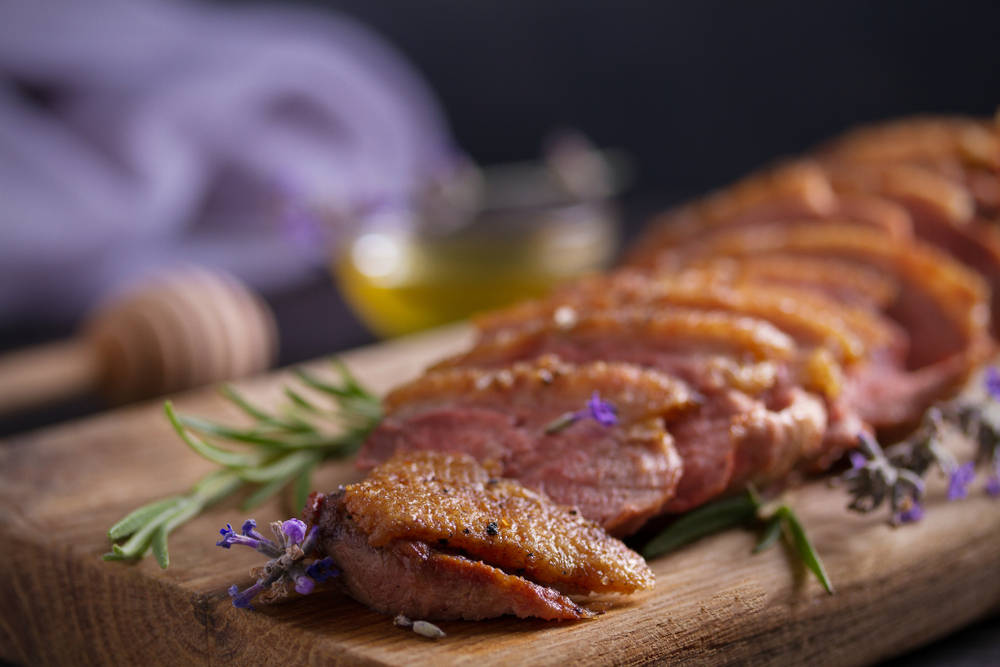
<point x="696" y="92"/>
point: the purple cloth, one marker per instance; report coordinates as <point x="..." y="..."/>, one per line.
<point x="180" y="131"/>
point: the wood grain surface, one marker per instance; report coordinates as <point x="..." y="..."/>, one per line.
<point x="714" y="602"/>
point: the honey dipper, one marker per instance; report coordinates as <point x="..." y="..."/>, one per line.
<point x="183" y="329"/>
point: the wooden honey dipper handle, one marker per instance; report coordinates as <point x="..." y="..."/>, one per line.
<point x="185" y="329"/>
<point x="47" y="373"/>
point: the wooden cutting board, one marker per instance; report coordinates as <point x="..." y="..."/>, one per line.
<point x="714" y="602"/>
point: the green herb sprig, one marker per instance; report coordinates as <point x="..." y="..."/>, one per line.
<point x="774" y="519"/>
<point x="279" y="448"/>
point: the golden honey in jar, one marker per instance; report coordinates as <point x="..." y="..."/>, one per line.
<point x="400" y="280"/>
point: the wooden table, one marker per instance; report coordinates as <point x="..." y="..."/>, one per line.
<point x="60" y="489"/>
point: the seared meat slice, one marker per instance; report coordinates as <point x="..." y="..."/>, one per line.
<point x="851" y="333"/>
<point x="943" y="213"/>
<point x="963" y="149"/>
<point x="772" y="425"/>
<point x="940" y="302"/>
<point x="418" y="581"/>
<point x="923" y="192"/>
<point x="618" y="475"/>
<point x="838" y="279"/>
<point x="684" y="333"/>
<point x="794" y="192"/>
<point x="433" y="535"/>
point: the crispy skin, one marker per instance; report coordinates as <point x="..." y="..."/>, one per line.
<point x="673" y="330"/>
<point x="618" y="475"/>
<point x="921" y="140"/>
<point x="841" y="280"/>
<point x="416" y="580"/>
<point x="943" y="210"/>
<point x="966" y="150"/>
<point x="794" y="192"/>
<point x="941" y="303"/>
<point x="638" y="394"/>
<point x="451" y="501"/>
<point x="849" y="332"/>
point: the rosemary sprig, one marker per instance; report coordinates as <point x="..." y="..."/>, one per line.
<point x="279" y="449"/>
<point x="774" y="519"/>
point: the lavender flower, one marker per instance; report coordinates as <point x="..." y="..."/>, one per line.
<point x="601" y="411"/>
<point x="292" y="545"/>
<point x="992" y="382"/>
<point x="911" y="514"/>
<point x="960" y="479"/>
<point x="322" y="570"/>
<point x="241" y="600"/>
<point x="993" y="484"/>
<point x="858" y="460"/>
<point x="304" y="584"/>
<point x="294" y="530"/>
<point x="876" y="477"/>
<point x="250" y="538"/>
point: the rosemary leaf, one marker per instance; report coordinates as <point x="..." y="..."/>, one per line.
<point x="250" y="436"/>
<point x="279" y="450"/>
<point x="138" y="543"/>
<point x="771" y="534"/>
<point x="561" y="423"/>
<point x="293" y="466"/>
<point x="214" y="454"/>
<point x="302" y="487"/>
<point x="301" y="401"/>
<point x="349" y="386"/>
<point x="160" y="547"/>
<point x="280" y="468"/>
<point x="135" y="520"/>
<point x="703" y="521"/>
<point x="230" y="393"/>
<point x="804" y="547"/>
<point x="265" y="491"/>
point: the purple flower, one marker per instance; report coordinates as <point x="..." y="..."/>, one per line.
<point x="242" y="600"/>
<point x="913" y="513"/>
<point x="992" y="382"/>
<point x="287" y="553"/>
<point x="294" y="529"/>
<point x="231" y="537"/>
<point x="250" y="538"/>
<point x="322" y="570"/>
<point x="958" y="482"/>
<point x="858" y="460"/>
<point x="993" y="484"/>
<point x="601" y="411"/>
<point x="304" y="585"/>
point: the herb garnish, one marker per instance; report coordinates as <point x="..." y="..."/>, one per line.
<point x="601" y="411"/>
<point x="774" y="519"/>
<point x="282" y="448"/>
<point x="897" y="474"/>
